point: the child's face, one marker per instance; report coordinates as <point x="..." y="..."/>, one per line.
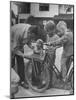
<point x="60" y="31"/>
<point x="50" y="32"/>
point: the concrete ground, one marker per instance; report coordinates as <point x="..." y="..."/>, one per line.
<point x="50" y="92"/>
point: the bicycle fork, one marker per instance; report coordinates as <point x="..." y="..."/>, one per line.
<point x="53" y="67"/>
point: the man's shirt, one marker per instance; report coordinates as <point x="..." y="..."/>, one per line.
<point x="18" y="33"/>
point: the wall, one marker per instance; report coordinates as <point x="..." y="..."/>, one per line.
<point x="14" y="7"/>
<point x="23" y="16"/>
<point x="63" y="8"/>
<point x="53" y="10"/>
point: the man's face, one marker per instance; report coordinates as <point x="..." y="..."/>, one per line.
<point x="25" y="41"/>
<point x="28" y="39"/>
<point x="30" y="36"/>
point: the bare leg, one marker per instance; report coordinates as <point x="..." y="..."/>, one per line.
<point x="63" y="66"/>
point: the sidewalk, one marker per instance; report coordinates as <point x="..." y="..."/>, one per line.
<point x="30" y="93"/>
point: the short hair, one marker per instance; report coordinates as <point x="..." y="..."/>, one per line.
<point x="33" y="29"/>
<point x="37" y="32"/>
<point x="30" y="20"/>
<point x="50" y="25"/>
<point x="61" y="24"/>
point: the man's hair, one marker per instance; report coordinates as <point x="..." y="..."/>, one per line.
<point x="37" y="32"/>
<point x="50" y="25"/>
<point x="33" y="29"/>
<point x="30" y="20"/>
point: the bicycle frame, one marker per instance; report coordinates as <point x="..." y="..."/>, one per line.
<point x="57" y="72"/>
<point x="53" y="66"/>
<point x="55" y="69"/>
<point x="49" y="62"/>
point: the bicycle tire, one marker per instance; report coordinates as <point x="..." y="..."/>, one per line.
<point x="30" y="84"/>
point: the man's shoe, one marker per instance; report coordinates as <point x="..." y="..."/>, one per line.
<point x="23" y="84"/>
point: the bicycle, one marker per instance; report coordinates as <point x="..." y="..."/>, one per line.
<point x="39" y="67"/>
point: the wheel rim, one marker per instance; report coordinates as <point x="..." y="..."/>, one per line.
<point x="45" y="77"/>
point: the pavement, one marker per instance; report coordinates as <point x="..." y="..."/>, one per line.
<point x="50" y="92"/>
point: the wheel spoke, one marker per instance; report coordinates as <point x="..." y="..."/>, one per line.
<point x="42" y="76"/>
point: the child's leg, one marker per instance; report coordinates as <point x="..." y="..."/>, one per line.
<point x="63" y="66"/>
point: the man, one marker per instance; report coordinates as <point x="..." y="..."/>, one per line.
<point x="39" y="32"/>
<point x="20" y="35"/>
<point x="65" y="40"/>
<point x="50" y="29"/>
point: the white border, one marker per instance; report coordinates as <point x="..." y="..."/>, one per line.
<point x="5" y="47"/>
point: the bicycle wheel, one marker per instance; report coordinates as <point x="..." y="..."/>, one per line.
<point x="43" y="79"/>
<point x="72" y="81"/>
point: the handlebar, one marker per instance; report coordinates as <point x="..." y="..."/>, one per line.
<point x="50" y="45"/>
<point x="36" y="56"/>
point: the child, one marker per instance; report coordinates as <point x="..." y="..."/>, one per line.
<point x="65" y="40"/>
<point x="50" y="29"/>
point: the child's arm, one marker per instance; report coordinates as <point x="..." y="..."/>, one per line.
<point x="60" y="41"/>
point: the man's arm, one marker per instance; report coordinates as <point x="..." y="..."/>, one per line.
<point x="18" y="52"/>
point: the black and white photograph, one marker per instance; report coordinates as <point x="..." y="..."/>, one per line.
<point x="41" y="49"/>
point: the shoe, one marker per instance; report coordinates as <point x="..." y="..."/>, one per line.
<point x="12" y="96"/>
<point x="24" y="85"/>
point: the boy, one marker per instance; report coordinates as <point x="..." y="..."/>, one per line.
<point x="50" y="29"/>
<point x="65" y="40"/>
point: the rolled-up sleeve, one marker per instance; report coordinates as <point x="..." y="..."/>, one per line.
<point x="61" y="40"/>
